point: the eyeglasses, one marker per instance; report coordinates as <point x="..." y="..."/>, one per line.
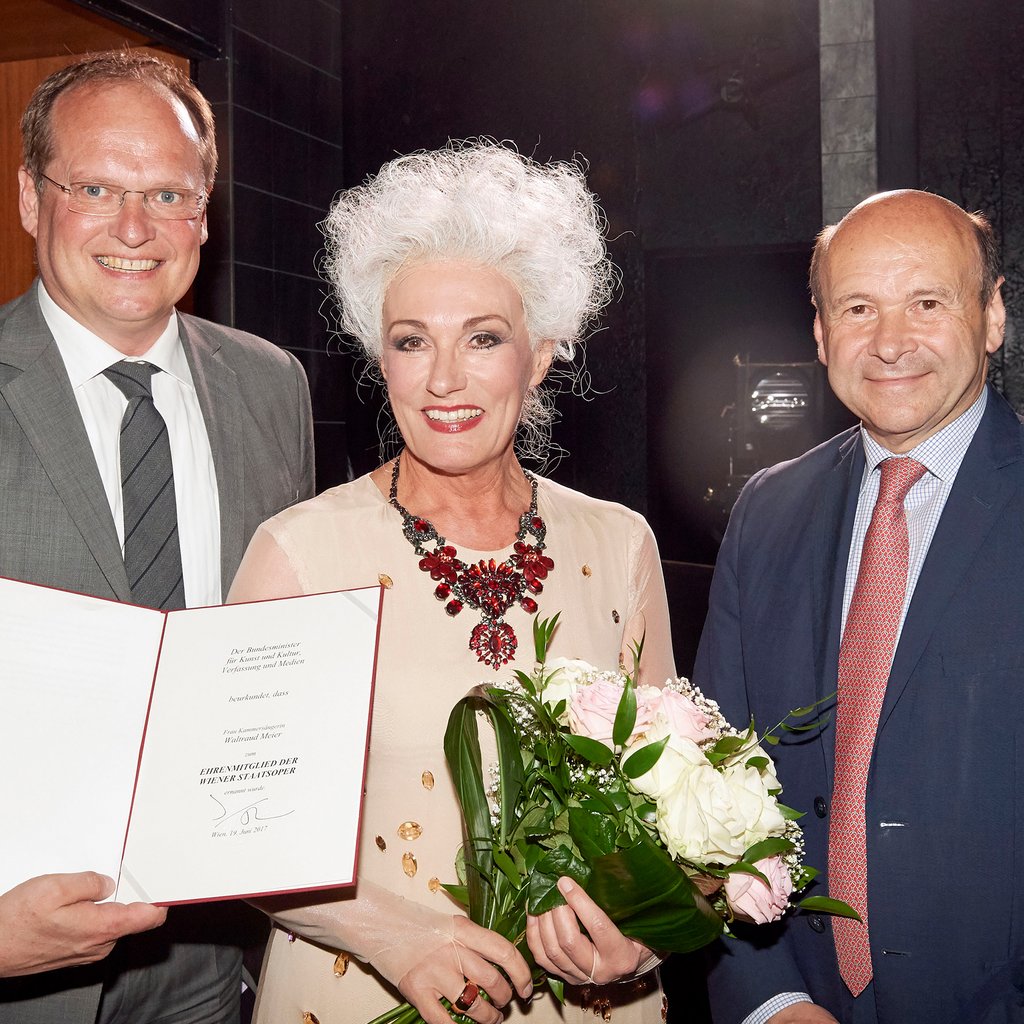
<point x="98" y="200"/>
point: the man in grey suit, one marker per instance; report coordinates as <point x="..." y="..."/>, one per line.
<point x="119" y="159"/>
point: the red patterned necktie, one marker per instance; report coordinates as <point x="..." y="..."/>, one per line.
<point x="865" y="659"/>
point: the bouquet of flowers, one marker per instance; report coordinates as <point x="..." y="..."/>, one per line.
<point x="664" y="813"/>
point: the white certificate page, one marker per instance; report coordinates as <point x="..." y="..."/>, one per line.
<point x="75" y="679"/>
<point x="252" y="769"/>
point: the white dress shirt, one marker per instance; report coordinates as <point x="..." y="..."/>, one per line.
<point x="102" y="406"/>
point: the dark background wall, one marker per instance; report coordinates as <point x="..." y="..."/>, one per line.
<point x="278" y="99"/>
<point x="969" y="132"/>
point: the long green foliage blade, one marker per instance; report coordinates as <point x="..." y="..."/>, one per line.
<point x="462" y="752"/>
<point x="650" y="898"/>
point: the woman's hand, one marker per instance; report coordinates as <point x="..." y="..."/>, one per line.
<point x="471" y="958"/>
<point x="560" y="946"/>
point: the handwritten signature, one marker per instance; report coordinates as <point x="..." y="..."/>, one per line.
<point x="245" y="815"/>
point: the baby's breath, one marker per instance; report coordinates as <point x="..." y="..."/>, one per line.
<point x="492" y="790"/>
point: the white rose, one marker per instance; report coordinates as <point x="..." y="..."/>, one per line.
<point x="713" y="817"/>
<point x="757" y="814"/>
<point x="696" y="818"/>
<point x="768" y="776"/>
<point x="680" y="755"/>
<point x="564" y="677"/>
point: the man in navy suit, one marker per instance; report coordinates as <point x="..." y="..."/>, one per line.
<point x="907" y="293"/>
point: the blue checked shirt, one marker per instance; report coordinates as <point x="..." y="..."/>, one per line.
<point x="941" y="455"/>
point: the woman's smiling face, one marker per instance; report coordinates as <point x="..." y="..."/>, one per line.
<point x="458" y="363"/>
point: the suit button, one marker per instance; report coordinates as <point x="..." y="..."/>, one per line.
<point x="816" y="923"/>
<point x="820" y="807"/>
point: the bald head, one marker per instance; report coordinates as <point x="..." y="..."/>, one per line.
<point x="903" y="213"/>
<point x="906" y="318"/>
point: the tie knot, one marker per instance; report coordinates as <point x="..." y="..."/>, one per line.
<point x="134" y="380"/>
<point x="898" y="476"/>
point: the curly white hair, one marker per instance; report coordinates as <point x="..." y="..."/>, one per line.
<point x="482" y="202"/>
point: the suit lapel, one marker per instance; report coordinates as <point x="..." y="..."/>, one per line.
<point x="41" y="399"/>
<point x="833" y="526"/>
<point x="219" y="399"/>
<point x="974" y="506"/>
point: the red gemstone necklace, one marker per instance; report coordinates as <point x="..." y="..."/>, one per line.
<point x="488" y="586"/>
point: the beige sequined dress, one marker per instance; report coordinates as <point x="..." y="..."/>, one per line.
<point x="607" y="584"/>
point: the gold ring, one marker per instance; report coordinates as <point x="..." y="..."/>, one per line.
<point x="468" y="997"/>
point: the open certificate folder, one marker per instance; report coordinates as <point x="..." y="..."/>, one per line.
<point x="192" y="755"/>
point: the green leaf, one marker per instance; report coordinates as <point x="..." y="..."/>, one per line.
<point x="759" y="763"/>
<point x="556" y="783"/>
<point x="590" y="750"/>
<point x="511" y="777"/>
<point x="637" y="647"/>
<point x="767" y="848"/>
<point x="459" y="893"/>
<point x="616" y="801"/>
<point x="462" y="752"/>
<point x="827" y="905"/>
<point x="557" y="987"/>
<point x="593" y="833"/>
<point x="550" y="753"/>
<point x="625" y="714"/>
<point x="508" y="867"/>
<point x="543" y="629"/>
<point x="531" y="854"/>
<point x="651" y="899"/>
<point x="641" y="761"/>
<point x="742" y="867"/>
<point x="789" y="813"/>
<point x="805" y="726"/>
<point x="542" y="891"/>
<point x="804" y="711"/>
<point x="729" y="744"/>
<point x="536" y="821"/>
<point x="803" y="876"/>
<point x="525" y="682"/>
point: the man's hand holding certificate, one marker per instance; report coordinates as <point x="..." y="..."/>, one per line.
<point x="192" y="755"/>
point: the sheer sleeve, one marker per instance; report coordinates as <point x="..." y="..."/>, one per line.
<point x="379" y="927"/>
<point x="266" y="571"/>
<point x="648" y="609"/>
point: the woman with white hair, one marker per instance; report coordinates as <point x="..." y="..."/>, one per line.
<point x="463" y="273"/>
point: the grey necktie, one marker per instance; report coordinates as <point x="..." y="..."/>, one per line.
<point x="152" y="553"/>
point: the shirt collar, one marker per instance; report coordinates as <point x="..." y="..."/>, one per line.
<point x="86" y="355"/>
<point x="942" y="453"/>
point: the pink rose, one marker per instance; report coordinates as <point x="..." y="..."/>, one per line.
<point x="592" y="711"/>
<point x="750" y="899"/>
<point x="683" y="717"/>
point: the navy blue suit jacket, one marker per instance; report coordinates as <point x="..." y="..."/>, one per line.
<point x="945" y="799"/>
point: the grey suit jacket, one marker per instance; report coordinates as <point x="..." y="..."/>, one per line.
<point x="55" y="523"/>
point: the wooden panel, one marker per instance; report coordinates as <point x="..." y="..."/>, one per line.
<point x="17" y="81"/>
<point x="41" y="28"/>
